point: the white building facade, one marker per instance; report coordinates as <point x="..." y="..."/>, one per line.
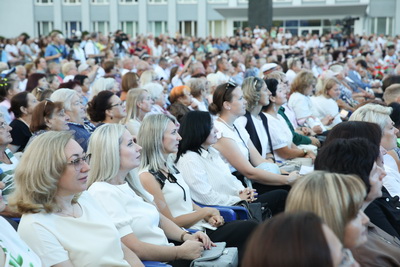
<point x="191" y="17"/>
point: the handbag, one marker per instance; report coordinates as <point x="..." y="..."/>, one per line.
<point x="257" y="211"/>
<point x="219" y="256"/>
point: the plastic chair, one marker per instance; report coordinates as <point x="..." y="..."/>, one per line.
<point x="235" y="213"/>
<point x="155" y="264"/>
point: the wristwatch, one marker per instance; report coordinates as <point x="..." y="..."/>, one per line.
<point x="305" y="152"/>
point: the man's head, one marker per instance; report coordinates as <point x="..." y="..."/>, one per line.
<point x="392" y="94"/>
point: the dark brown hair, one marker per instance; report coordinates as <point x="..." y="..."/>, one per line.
<point x="98" y="105"/>
<point x="222" y="93"/>
<point x="43" y="110"/>
<point x="18" y="101"/>
<point x="290" y="239"/>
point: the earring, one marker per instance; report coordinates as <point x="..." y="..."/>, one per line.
<point x="112" y="117"/>
<point x="229" y="108"/>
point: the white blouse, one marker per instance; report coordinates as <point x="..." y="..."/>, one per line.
<point x="209" y="178"/>
<point x="129" y="212"/>
<point x="90" y="240"/>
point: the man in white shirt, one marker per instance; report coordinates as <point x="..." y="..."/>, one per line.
<point x="127" y="65"/>
<point x="162" y="69"/>
<point x="222" y="69"/>
<point x="313" y="42"/>
<point x="21" y="73"/>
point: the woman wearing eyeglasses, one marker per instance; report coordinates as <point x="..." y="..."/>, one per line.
<point x="76" y="113"/>
<point x="159" y="138"/>
<point x="106" y="107"/>
<point x="61" y="223"/>
<point x="48" y="116"/>
<point x="235" y="145"/>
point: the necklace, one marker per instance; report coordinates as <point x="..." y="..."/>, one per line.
<point x="69" y="214"/>
<point x="224" y="122"/>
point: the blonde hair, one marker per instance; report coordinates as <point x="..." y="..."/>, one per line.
<point x="155" y="90"/>
<point x="66" y="67"/>
<point x="38" y="173"/>
<point x="65" y="96"/>
<point x="104" y="145"/>
<point x="133" y="98"/>
<point x="391" y="93"/>
<point x="277" y="75"/>
<point x="374" y="113"/>
<point x="148" y="76"/>
<point x="302" y="81"/>
<point x="102" y="84"/>
<point x="336" y="198"/>
<point x="150" y="138"/>
<point x="251" y="91"/>
<point x="328" y="84"/>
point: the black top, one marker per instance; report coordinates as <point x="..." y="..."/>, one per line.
<point x="20" y="134"/>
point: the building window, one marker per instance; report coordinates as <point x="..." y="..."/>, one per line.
<point x="217" y="28"/>
<point x="130" y="27"/>
<point x="187" y="1"/>
<point x="382" y="25"/>
<point x="72" y="2"/>
<point x="188" y="28"/>
<point x="158" y="27"/>
<point x="44" y="2"/>
<point x="218" y="1"/>
<point x="128" y="1"/>
<point x="100" y="2"/>
<point x="281" y="1"/>
<point x="157" y="1"/>
<point x="71" y="27"/>
<point x="44" y="27"/>
<point x="101" y="26"/>
<point x="239" y="26"/>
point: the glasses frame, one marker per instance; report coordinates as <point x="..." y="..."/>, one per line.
<point x="78" y="162"/>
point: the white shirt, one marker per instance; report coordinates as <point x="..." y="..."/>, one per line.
<point x="129" y="212"/>
<point x="280" y="133"/>
<point x="209" y="178"/>
<point x="177" y="203"/>
<point x="261" y="132"/>
<point x="161" y="73"/>
<point x="133" y="126"/>
<point x="15" y="248"/>
<point x="241" y="141"/>
<point x="301" y="105"/>
<point x="322" y="106"/>
<point x="90" y="240"/>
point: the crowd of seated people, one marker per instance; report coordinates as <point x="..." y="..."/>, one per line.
<point x="110" y="152"/>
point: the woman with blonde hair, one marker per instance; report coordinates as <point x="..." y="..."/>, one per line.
<point x="61" y="223"/>
<point x="148" y="76"/>
<point x="113" y="182"/>
<point x="159" y="138"/>
<point x="324" y="102"/>
<point x="138" y="104"/>
<point x="344" y="215"/>
<point x="300" y="102"/>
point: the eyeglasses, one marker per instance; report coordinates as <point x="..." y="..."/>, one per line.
<point x="79" y="161"/>
<point x="347" y="259"/>
<point x="3" y="125"/>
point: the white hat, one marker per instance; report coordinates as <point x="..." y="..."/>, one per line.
<point x="268" y="66"/>
<point x="83" y="66"/>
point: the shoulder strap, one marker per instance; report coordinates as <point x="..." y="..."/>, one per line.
<point x="265" y="123"/>
<point x="160" y="177"/>
<point x="251" y="129"/>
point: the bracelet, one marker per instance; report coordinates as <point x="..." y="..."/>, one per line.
<point x="183" y="234"/>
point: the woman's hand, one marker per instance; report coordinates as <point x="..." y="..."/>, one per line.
<point x="292" y="177"/>
<point x="203" y="238"/>
<point x="315" y="141"/>
<point x="248" y="194"/>
<point x="327" y="120"/>
<point x="216" y="221"/>
<point x="210" y="212"/>
<point x="189" y="250"/>
<point x="310" y="155"/>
